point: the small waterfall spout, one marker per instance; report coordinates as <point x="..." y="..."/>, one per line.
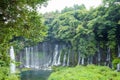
<point x="68" y="60"/>
<point x="118" y="67"/>
<point x="12" y="56"/>
<point x="108" y="55"/>
<point x="99" y="56"/>
<point x="59" y="59"/>
<point x="118" y="51"/>
<point x="64" y="60"/>
<point x="79" y="58"/>
<point x="108" y="60"/>
<point x="55" y="57"/>
<point x="27" y="57"/>
<point x="82" y="61"/>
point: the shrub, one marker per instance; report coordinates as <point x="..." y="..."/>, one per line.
<point x="5" y="74"/>
<point x="90" y="72"/>
<point x="115" y="62"/>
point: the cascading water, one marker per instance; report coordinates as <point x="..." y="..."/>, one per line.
<point x="20" y="60"/>
<point x="45" y="55"/>
<point x="59" y="59"/>
<point x="27" y="57"/>
<point x="118" y="51"/>
<point x="91" y="59"/>
<point x="44" y="59"/>
<point x="88" y="60"/>
<point x="118" y="65"/>
<point x="55" y="57"/>
<point x="99" y="56"/>
<point x="64" y="60"/>
<point x="32" y="58"/>
<point x="41" y="56"/>
<point x="68" y="59"/>
<point x="12" y="56"/>
<point x="79" y="58"/>
<point x="82" y="62"/>
<point x="108" y="57"/>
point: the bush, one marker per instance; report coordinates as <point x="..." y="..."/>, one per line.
<point x="90" y="72"/>
<point x="5" y="74"/>
<point x="12" y="77"/>
<point x="115" y="62"/>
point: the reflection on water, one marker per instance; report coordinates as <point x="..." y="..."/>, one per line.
<point x="35" y="75"/>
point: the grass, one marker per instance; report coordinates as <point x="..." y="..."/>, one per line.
<point x="90" y="72"/>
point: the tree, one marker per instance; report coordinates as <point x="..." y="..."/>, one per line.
<point x="89" y="31"/>
<point x="19" y="18"/>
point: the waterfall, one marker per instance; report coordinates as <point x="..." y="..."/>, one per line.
<point x="45" y="55"/>
<point x="49" y="62"/>
<point x="64" y="60"/>
<point x="88" y="60"/>
<point x="27" y="57"/>
<point x="59" y="59"/>
<point x="118" y="51"/>
<point x="108" y="55"/>
<point x="99" y="56"/>
<point x="108" y="62"/>
<point x="118" y="67"/>
<point x="55" y="57"/>
<point x="68" y="61"/>
<point x="79" y="58"/>
<point x="44" y="64"/>
<point x="91" y="59"/>
<point x="36" y="57"/>
<point x="21" y="60"/>
<point x="32" y="58"/>
<point x="41" y="56"/>
<point x="82" y="62"/>
<point x="12" y="56"/>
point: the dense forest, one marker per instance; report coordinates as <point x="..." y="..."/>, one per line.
<point x="88" y="32"/>
<point x="90" y="36"/>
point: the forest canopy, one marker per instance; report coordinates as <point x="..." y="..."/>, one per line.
<point x="87" y="32"/>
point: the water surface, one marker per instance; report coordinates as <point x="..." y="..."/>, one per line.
<point x="35" y="75"/>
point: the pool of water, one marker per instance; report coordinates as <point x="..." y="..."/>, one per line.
<point x="35" y="75"/>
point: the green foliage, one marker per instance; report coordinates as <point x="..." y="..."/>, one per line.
<point x="5" y="74"/>
<point x="67" y="27"/>
<point x="75" y="7"/>
<point x="84" y="29"/>
<point x="18" y="19"/>
<point x="89" y="72"/>
<point x="12" y="77"/>
<point x="115" y="62"/>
